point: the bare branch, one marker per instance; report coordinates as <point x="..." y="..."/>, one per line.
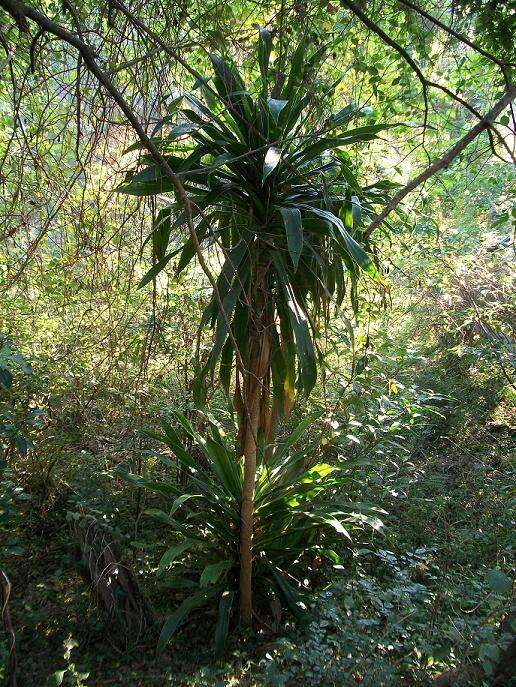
<point x="16" y="8"/>
<point x="426" y="83"/>
<point x="445" y="160"/>
<point x="357" y="11"/>
<point x="459" y="36"/>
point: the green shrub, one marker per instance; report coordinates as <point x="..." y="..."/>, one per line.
<point x="299" y="515"/>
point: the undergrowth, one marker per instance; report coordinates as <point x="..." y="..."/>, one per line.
<point x="427" y="595"/>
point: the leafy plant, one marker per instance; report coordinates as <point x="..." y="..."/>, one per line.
<point x="281" y="203"/>
<point x="276" y="194"/>
<point x="298" y="515"/>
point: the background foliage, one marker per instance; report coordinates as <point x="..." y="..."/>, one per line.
<point x="416" y="395"/>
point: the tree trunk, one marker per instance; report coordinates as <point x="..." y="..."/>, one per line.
<point x="272" y="429"/>
<point x="259" y="357"/>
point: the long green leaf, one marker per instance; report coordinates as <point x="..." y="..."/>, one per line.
<point x="299" y="323"/>
<point x="296" y="70"/>
<point x="225" y="466"/>
<point x="161" y="233"/>
<point x="160" y="487"/>
<point x="221" y="631"/>
<point x="355" y="250"/>
<point x="294" y="437"/>
<point x="176" y="620"/>
<point x="294" y="229"/>
<point x="288" y="593"/>
<point x="155" y="270"/>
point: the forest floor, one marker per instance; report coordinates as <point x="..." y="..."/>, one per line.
<point x="424" y="597"/>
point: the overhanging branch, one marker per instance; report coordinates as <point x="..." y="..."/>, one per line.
<point x="21" y="12"/>
<point x="459" y="36"/>
<point x="427" y="83"/>
<point x="445" y="160"/>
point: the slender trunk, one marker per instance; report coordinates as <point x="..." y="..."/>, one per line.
<point x="247" y="508"/>
<point x="259" y="357"/>
<point x="272" y="430"/>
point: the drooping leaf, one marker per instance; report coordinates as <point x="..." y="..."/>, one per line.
<point x="175" y="621"/>
<point x="299" y="324"/>
<point x="226" y="361"/>
<point x="288" y="593"/>
<point x="155" y="270"/>
<point x="181" y="500"/>
<point x="221" y="630"/>
<point x="343" y="116"/>
<point x="224" y="317"/>
<point x="355" y="250"/>
<point x="161" y="233"/>
<point x="171" y="554"/>
<point x="333" y="522"/>
<point x="294" y="229"/>
<point x="276" y="107"/>
<point x="152" y="485"/>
